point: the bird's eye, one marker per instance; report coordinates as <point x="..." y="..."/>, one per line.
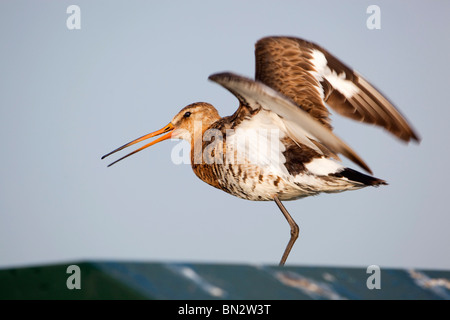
<point x="187" y="114"/>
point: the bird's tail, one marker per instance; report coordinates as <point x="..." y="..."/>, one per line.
<point x="359" y="177"/>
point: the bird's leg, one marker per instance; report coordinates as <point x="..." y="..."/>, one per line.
<point x="294" y="230"/>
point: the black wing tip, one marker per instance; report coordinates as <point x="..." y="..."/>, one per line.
<point x="216" y="77"/>
<point x="227" y="78"/>
<point x="408" y="137"/>
<point x="415" y="137"/>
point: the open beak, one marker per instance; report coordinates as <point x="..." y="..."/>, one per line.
<point x="167" y="128"/>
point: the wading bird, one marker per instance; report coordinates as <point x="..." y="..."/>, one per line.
<point x="295" y="80"/>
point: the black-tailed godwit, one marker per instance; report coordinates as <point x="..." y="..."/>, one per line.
<point x="279" y="144"/>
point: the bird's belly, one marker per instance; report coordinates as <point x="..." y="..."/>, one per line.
<point x="257" y="184"/>
<point x="260" y="184"/>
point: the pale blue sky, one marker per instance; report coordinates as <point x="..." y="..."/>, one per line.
<point x="68" y="97"/>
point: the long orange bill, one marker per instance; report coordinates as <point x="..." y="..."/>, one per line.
<point x="167" y="128"/>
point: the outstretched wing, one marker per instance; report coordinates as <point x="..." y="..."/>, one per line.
<point x="311" y="77"/>
<point x="299" y="125"/>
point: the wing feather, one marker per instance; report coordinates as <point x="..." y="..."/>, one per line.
<point x="300" y="125"/>
<point x="313" y="77"/>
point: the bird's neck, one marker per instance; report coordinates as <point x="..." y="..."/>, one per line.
<point x="198" y="139"/>
<point x="202" y="167"/>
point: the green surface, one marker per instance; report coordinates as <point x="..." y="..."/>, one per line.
<point x="135" y="280"/>
<point x="49" y="282"/>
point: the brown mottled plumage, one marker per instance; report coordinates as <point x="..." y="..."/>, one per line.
<point x="284" y="64"/>
<point x="279" y="144"/>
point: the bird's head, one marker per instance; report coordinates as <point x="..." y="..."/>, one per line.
<point x="192" y="120"/>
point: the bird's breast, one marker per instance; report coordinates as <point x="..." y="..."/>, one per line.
<point x="245" y="170"/>
<point x="241" y="180"/>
